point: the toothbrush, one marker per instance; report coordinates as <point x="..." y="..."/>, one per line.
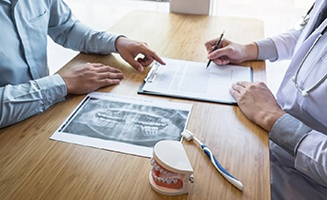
<point x="188" y="135"/>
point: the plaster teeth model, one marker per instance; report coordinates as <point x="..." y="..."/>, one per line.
<point x="171" y="170"/>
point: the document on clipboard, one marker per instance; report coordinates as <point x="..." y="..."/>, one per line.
<point x="191" y="80"/>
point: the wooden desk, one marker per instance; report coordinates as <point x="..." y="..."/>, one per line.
<point x="34" y="167"/>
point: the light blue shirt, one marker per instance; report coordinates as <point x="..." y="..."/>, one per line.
<point x="26" y="88"/>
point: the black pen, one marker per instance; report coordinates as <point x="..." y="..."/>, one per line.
<point x="217" y="45"/>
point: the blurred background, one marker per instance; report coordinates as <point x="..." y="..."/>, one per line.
<point x="278" y="16"/>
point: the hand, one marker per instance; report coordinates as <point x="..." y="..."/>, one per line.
<point x="129" y="49"/>
<point x="257" y="103"/>
<point x="89" y="77"/>
<point x="230" y="52"/>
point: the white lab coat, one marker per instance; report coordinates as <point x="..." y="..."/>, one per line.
<point x="305" y="175"/>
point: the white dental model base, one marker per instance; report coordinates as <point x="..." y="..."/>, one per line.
<point x="171" y="170"/>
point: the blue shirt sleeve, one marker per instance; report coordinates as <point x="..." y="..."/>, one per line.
<point x="288" y="132"/>
<point x="69" y="32"/>
<point x="25" y="87"/>
<point x="19" y="102"/>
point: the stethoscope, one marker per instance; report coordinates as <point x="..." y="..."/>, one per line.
<point x="302" y="22"/>
<point x="305" y="92"/>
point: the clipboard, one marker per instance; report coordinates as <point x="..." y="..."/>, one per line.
<point x="191" y="80"/>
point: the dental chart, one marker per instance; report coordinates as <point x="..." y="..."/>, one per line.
<point x="124" y="124"/>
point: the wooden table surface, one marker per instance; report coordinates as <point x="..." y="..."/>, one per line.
<point x="34" y="167"/>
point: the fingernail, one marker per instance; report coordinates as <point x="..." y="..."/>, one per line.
<point x="140" y="69"/>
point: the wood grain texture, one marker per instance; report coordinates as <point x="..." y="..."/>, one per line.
<point x="34" y="167"/>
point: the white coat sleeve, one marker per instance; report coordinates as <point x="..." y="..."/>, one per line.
<point x="285" y="43"/>
<point x="278" y="47"/>
<point x="311" y="157"/>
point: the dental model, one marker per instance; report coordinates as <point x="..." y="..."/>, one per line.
<point x="171" y="170"/>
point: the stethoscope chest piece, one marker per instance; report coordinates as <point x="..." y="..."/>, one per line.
<point x="301" y="22"/>
<point x="304" y="93"/>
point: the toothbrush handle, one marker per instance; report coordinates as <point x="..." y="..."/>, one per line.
<point x="227" y="175"/>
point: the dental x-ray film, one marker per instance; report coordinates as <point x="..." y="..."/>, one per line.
<point x="123" y="123"/>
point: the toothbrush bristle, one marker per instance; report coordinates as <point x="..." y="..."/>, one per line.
<point x="187" y="135"/>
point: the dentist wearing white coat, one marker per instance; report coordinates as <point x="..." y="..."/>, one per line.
<point x="297" y="119"/>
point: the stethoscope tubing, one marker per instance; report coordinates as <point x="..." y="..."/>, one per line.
<point x="305" y="92"/>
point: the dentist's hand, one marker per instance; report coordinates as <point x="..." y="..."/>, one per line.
<point x="230" y="52"/>
<point x="257" y="103"/>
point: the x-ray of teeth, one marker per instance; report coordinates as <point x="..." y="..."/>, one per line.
<point x="127" y="122"/>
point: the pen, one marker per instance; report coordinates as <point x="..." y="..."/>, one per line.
<point x="217" y="45"/>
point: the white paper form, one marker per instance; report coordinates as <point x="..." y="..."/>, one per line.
<point x="124" y="124"/>
<point x="192" y="80"/>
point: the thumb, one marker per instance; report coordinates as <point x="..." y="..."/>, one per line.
<point x="136" y="65"/>
<point x="131" y="60"/>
